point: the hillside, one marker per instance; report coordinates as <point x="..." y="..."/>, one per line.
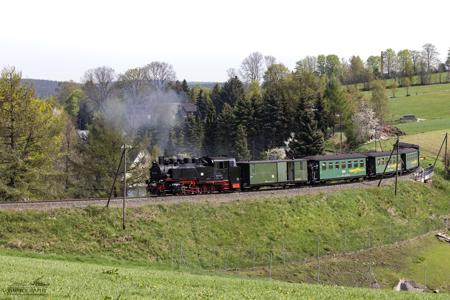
<point x="43" y="88"/>
<point x="57" y="279"/>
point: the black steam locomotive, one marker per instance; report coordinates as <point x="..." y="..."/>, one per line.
<point x="193" y="176"/>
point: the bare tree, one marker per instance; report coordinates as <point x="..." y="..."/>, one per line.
<point x="232" y="72"/>
<point x="133" y="81"/>
<point x="430" y="56"/>
<point x="98" y="83"/>
<point x="270" y="60"/>
<point x="307" y="65"/>
<point x="159" y="74"/>
<point x="415" y="56"/>
<point x="252" y="67"/>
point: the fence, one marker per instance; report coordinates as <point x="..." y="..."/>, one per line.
<point x="265" y="258"/>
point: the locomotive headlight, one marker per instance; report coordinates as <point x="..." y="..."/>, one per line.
<point x="202" y="174"/>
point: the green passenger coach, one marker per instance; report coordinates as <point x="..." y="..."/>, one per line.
<point x="336" y="167"/>
<point x="273" y="172"/>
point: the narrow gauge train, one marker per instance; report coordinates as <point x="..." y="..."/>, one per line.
<point x="222" y="174"/>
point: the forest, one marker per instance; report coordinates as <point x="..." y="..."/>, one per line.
<point x="69" y="145"/>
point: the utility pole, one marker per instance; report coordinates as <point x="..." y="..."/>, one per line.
<point x="446" y="153"/>
<point x="114" y="181"/>
<point x="125" y="147"/>
<point x="396" y="167"/>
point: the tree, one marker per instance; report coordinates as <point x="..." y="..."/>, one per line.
<point x="240" y="149"/>
<point x="216" y="97"/>
<point x="374" y="65"/>
<point x="274" y="120"/>
<point x="193" y="134"/>
<point x="210" y="129"/>
<point x="407" y="84"/>
<point x="430" y="57"/>
<point x="307" y="65"/>
<point x="159" y="74"/>
<point x="356" y="69"/>
<point x="275" y="73"/>
<point x="390" y="62"/>
<point x="133" y="83"/>
<point x="252" y="67"/>
<point x="30" y="141"/>
<point x="307" y="138"/>
<point x="321" y="65"/>
<point x="225" y="129"/>
<point x="269" y="60"/>
<point x="447" y="63"/>
<point x="333" y="66"/>
<point x="415" y="57"/>
<point x="69" y="96"/>
<point x="405" y="63"/>
<point x="379" y="101"/>
<point x="99" y="157"/>
<point x="394" y="86"/>
<point x="335" y="99"/>
<point x="231" y="92"/>
<point x="98" y="84"/>
<point x="365" y="125"/>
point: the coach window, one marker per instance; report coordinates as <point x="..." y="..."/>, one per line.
<point x="361" y="163"/>
<point x="324" y="166"/>
<point x="336" y="165"/>
<point x="343" y="165"/>
<point x="330" y="166"/>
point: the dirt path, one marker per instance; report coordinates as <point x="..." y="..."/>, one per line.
<point x="210" y="198"/>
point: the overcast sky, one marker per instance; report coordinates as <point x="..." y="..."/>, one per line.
<point x="60" y="40"/>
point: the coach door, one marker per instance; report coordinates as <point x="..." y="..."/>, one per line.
<point x="290" y="171"/>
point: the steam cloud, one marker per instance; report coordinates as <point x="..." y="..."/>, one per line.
<point x="153" y="109"/>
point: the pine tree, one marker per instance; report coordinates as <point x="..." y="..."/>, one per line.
<point x="184" y="86"/>
<point x="216" y="98"/>
<point x="273" y="119"/>
<point x="322" y="117"/>
<point x="225" y="129"/>
<point x="193" y="134"/>
<point x="210" y="129"/>
<point x="336" y="102"/>
<point x="232" y="91"/>
<point x="308" y="139"/>
<point x="240" y="149"/>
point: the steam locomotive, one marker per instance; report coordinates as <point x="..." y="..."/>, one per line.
<point x="224" y="174"/>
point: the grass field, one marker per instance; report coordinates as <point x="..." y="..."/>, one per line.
<point x="237" y="234"/>
<point x="58" y="279"/>
<point x="431" y="103"/>
<point x="429" y="143"/>
<point x="423" y="259"/>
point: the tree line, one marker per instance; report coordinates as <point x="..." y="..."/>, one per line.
<point x="69" y="145"/>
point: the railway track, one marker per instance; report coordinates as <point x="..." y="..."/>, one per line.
<point x="206" y="198"/>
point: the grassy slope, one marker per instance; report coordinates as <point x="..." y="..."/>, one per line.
<point x="423" y="259"/>
<point x="90" y="281"/>
<point x="431" y="102"/>
<point x="234" y="234"/>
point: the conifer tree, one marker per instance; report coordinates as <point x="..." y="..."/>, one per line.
<point x="335" y="98"/>
<point x="225" y="130"/>
<point x="193" y="134"/>
<point x="232" y="91"/>
<point x="210" y="129"/>
<point x="240" y="149"/>
<point x="307" y="139"/>
<point x="273" y="119"/>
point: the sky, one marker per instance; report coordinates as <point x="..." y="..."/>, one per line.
<point x="60" y="40"/>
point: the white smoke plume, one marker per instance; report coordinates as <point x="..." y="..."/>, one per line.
<point x="154" y="110"/>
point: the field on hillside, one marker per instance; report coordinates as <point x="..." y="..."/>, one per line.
<point x="58" y="279"/>
<point x="431" y="103"/>
<point x="422" y="259"/>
